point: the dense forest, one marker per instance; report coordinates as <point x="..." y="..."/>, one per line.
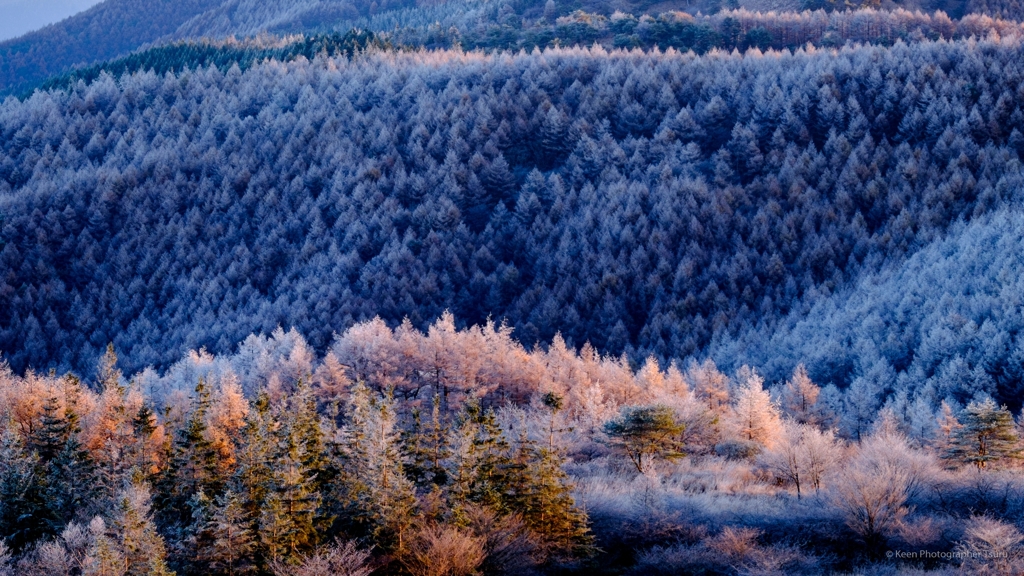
<point x="726" y="30"/>
<point x="352" y="287"/>
<point x="460" y="452"/>
<point x="117" y="28"/>
<point x="644" y="203"/>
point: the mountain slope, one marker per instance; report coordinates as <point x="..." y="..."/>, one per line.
<point x="646" y="203"/>
<point x="107" y="30"/>
<point x="944" y="325"/>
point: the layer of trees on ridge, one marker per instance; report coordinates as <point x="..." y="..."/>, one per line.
<point x="669" y="199"/>
<point x="460" y="452"/>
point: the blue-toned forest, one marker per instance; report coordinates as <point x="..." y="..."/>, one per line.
<point x="490" y="288"/>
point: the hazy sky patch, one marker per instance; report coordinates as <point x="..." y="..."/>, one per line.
<point x="20" y="16"/>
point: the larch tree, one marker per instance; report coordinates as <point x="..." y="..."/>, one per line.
<point x="754" y="417"/>
<point x="799" y="396"/>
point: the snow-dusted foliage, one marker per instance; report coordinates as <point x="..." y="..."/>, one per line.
<point x="642" y="202"/>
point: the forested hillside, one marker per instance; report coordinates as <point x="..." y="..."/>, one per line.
<point x="531" y="287"/>
<point x="640" y="202"/>
<point x="944" y="325"/>
<point x="109" y="29"/>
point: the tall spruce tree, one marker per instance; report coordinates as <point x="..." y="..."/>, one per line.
<point x="288" y="524"/>
<point x="253" y="480"/>
<point x="65" y="468"/>
<point x="22" y="510"/>
<point x="380" y="496"/>
<point x="229" y="537"/>
<point x="192" y="469"/>
<point x="425" y="448"/>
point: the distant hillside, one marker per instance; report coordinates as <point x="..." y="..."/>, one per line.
<point x="107" y="30"/>
<point x="647" y="203"/>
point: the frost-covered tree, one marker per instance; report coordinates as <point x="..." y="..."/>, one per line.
<point x="754" y="417"/>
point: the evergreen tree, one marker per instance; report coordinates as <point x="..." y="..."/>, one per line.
<point x="127" y="545"/>
<point x="645" y="433"/>
<point x="65" y="468"/>
<point x="230" y="538"/>
<point x="478" y="468"/>
<point x="425" y="448"/>
<point x="143" y="425"/>
<point x="380" y="496"/>
<point x="288" y="526"/>
<point x="22" y="509"/>
<point x="135" y="534"/>
<point x="538" y="490"/>
<point x="192" y="469"/>
<point x="253" y="480"/>
<point x="986" y="435"/>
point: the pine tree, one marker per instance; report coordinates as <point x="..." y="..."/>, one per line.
<point x="986" y="435"/>
<point x="111" y="445"/>
<point x="645" y="433"/>
<point x="103" y="557"/>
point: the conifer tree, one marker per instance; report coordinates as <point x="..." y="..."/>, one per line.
<point x="986" y="435"/>
<point x="754" y="417"/>
<point x="230" y="538"/>
<point x="111" y="445"/>
<point x="478" y="468"/>
<point x="66" y="469"/>
<point x="288" y="519"/>
<point x="135" y="534"/>
<point x="144" y="425"/>
<point x="538" y="490"/>
<point x="192" y="470"/>
<point x="425" y="448"/>
<point x="253" y="480"/>
<point x="380" y="495"/>
<point x="104" y="556"/>
<point x="799" y="397"/>
<point x="645" y="433"/>
<point x="21" y="501"/>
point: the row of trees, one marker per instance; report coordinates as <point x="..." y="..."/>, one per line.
<point x="343" y="469"/>
<point x="97" y="482"/>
